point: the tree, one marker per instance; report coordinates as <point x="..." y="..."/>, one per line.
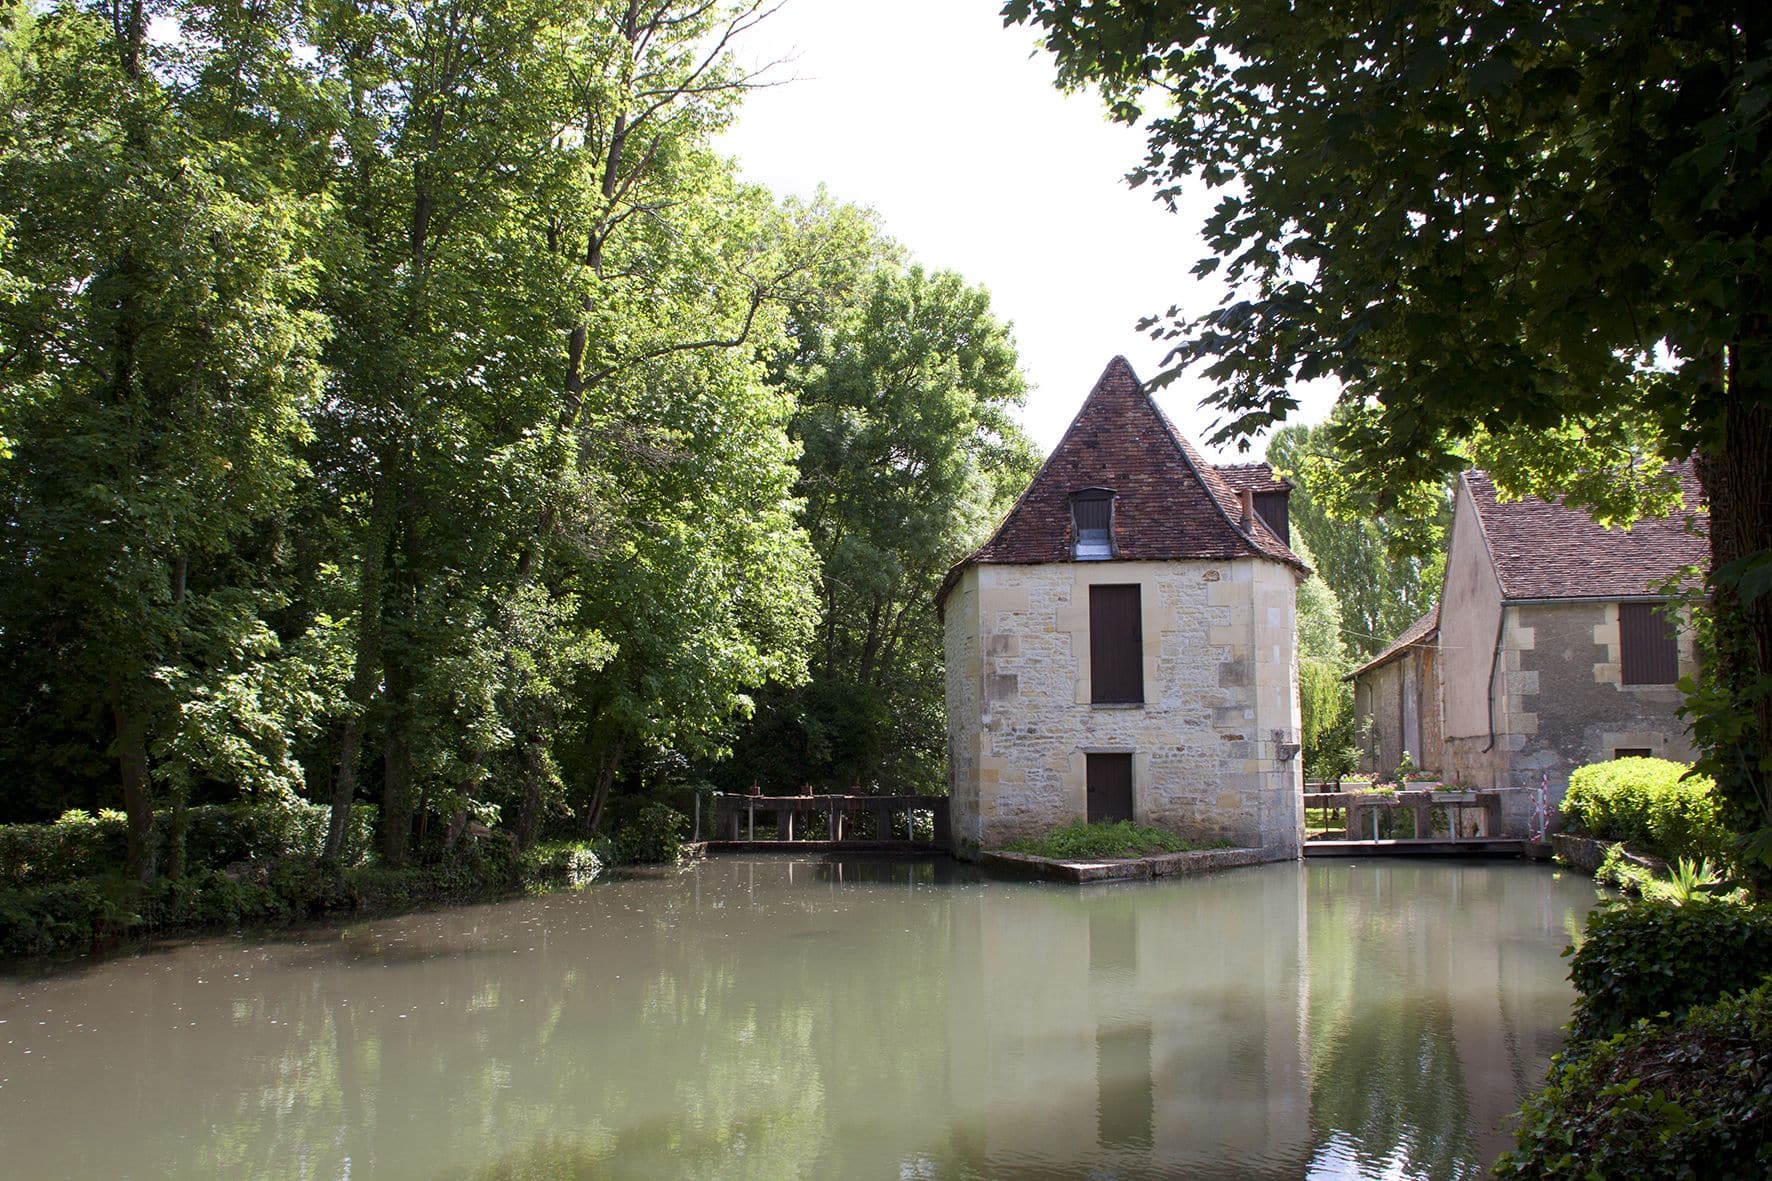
<point x="1383" y="569"/>
<point x="903" y="386"/>
<point x="158" y="351"/>
<point x="1325" y="700"/>
<point x="1534" y="234"/>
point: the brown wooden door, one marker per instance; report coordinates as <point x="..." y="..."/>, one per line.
<point x="1110" y="788"/>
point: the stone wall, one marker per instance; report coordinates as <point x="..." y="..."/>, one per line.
<point x="1560" y="704"/>
<point x="1213" y="744"/>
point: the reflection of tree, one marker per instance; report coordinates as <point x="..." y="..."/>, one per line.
<point x="730" y="1022"/>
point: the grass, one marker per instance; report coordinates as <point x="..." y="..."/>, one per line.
<point x="1091" y="841"/>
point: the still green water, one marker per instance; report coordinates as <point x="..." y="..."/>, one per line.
<point x="775" y="1018"/>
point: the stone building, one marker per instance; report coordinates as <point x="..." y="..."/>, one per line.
<point x="1550" y="647"/>
<point x="1124" y="645"/>
<point x="1398" y="692"/>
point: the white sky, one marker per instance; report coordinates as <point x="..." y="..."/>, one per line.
<point x="949" y="127"/>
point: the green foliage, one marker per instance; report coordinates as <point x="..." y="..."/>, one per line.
<point x="905" y="382"/>
<point x="1446" y="209"/>
<point x="1325" y="699"/>
<point x="1652" y="805"/>
<point x="80" y="845"/>
<point x="1642" y="959"/>
<point x="1123" y="838"/>
<point x="1690" y="1099"/>
<point x="44" y="920"/>
<point x="77" y="845"/>
<point x="1383" y="569"/>
<point x="655" y="832"/>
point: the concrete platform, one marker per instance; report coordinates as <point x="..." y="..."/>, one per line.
<point x="1129" y="869"/>
<point x="1432" y="847"/>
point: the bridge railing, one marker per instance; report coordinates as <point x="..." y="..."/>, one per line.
<point x="1469" y="814"/>
<point x="832" y="819"/>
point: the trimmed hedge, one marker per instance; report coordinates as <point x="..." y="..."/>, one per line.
<point x="1652" y="957"/>
<point x="1650" y="805"/>
<point x="1687" y="1100"/>
<point x="82" y="845"/>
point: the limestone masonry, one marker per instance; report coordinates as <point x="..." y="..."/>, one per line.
<point x="1203" y="709"/>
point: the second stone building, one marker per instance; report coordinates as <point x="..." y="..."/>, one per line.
<point x="1124" y="645"/>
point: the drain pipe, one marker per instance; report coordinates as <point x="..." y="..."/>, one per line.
<point x="1494" y="662"/>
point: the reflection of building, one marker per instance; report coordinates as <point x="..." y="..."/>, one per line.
<point x="1106" y="1030"/>
<point x="1123" y="645"/>
<point x="1548" y="649"/>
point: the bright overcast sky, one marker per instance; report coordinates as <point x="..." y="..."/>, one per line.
<point x="948" y="126"/>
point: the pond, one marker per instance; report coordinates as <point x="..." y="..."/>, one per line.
<point x="778" y="1018"/>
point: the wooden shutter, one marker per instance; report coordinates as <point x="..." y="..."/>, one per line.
<point x="1116" y="644"/>
<point x="1274" y="510"/>
<point x="1648" y="653"/>
<point x="1109" y="788"/>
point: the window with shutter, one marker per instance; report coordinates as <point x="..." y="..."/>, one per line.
<point x="1116" y="645"/>
<point x="1648" y="653"/>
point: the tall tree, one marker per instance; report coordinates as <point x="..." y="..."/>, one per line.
<point x="158" y="351"/>
<point x="1542" y="227"/>
<point x="904" y="391"/>
<point x="1383" y="568"/>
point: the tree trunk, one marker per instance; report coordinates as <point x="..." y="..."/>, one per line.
<point x="365" y="675"/>
<point x="132" y="764"/>
<point x="608" y="763"/>
<point x="535" y="780"/>
<point x="1737" y="476"/>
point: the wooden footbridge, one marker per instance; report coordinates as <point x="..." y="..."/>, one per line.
<point x="1411" y="824"/>
<point x="827" y="823"/>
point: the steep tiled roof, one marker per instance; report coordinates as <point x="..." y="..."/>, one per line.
<point x="1545" y="550"/>
<point x="1170" y="503"/>
<point x="1256" y="477"/>
<point x="1423" y="631"/>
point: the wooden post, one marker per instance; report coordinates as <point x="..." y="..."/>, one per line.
<point x="944" y="831"/>
<point x="750" y="824"/>
<point x="836" y="822"/>
<point x="784" y="823"/>
<point x="1424" y="819"/>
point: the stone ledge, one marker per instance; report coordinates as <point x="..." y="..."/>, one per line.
<point x="1128" y="869"/>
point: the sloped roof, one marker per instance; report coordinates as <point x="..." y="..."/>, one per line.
<point x="1546" y="550"/>
<point x="1170" y="503"/>
<point x="1255" y="477"/>
<point x="1423" y="631"/>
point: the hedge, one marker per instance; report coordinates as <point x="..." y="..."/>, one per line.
<point x="1646" y="958"/>
<point x="1688" y="1100"/>
<point x="1650" y="805"/>
<point x="82" y="845"/>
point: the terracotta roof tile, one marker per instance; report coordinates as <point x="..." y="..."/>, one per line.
<point x="1546" y="550"/>
<point x="1169" y="502"/>
<point x="1256" y="477"/>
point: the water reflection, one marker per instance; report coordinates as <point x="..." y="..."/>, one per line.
<point x="771" y="1018"/>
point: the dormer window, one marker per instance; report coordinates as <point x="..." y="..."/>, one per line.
<point x="1092" y="524"/>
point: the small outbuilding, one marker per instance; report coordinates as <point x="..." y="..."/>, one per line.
<point x="1124" y="646"/>
<point x="1555" y="643"/>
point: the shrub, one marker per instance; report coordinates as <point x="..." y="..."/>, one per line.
<point x="1649" y="806"/>
<point x="1684" y="1100"/>
<point x="573" y="862"/>
<point x="654" y="833"/>
<point x="1641" y="959"/>
<point x="44" y="920"/>
<point x="1120" y="839"/>
<point x="77" y="845"/>
<point x="80" y="845"/>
